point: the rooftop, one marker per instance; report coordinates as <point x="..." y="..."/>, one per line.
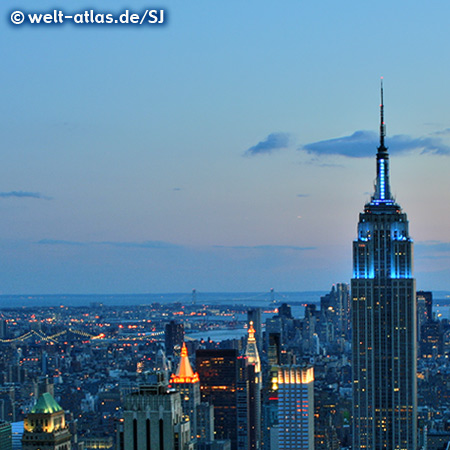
<point x="46" y="404"/>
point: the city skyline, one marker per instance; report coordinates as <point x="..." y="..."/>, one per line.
<point x="384" y="320"/>
<point x="228" y="150"/>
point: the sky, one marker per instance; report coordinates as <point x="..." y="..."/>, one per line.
<point x="229" y="149"/>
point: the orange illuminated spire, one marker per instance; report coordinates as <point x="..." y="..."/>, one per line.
<point x="251" y="333"/>
<point x="184" y="352"/>
<point x="184" y="374"/>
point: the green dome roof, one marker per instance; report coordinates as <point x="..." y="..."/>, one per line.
<point x="46" y="404"/>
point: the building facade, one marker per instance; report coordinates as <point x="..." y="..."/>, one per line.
<point x="153" y="420"/>
<point x="384" y="321"/>
<point x="255" y="315"/>
<point x="187" y="383"/>
<point x="173" y="336"/>
<point x="254" y="390"/>
<point x="218" y="374"/>
<point x="249" y="387"/>
<point x="424" y="311"/>
<point x="5" y="436"/>
<point x="45" y="426"/>
<point x="293" y="393"/>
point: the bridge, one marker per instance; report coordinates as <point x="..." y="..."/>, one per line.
<point x="56" y="337"/>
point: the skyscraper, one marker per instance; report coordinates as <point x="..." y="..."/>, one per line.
<point x="255" y="385"/>
<point x="5" y="436"/>
<point x="424" y="310"/>
<point x="384" y="321"/>
<point x="174" y="336"/>
<point x="218" y="372"/>
<point x="187" y="383"/>
<point x="293" y="394"/>
<point x="249" y="395"/>
<point x="153" y="419"/>
<point x="45" y="426"/>
<point x="255" y="315"/>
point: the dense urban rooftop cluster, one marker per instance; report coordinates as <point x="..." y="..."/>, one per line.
<point x="91" y="358"/>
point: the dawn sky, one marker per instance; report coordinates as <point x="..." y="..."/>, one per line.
<point x="231" y="149"/>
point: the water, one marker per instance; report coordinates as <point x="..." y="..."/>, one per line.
<point x="218" y="335"/>
<point x="441" y="311"/>
<point x="251" y="299"/>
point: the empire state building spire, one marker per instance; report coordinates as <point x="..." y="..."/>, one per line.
<point x="382" y="124"/>
<point x="382" y="188"/>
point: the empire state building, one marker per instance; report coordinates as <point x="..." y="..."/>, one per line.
<point x="384" y="321"/>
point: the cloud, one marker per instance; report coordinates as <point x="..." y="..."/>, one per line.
<point x="302" y="195"/>
<point x="363" y="144"/>
<point x="264" y="247"/>
<point x="444" y="132"/>
<point x="60" y="242"/>
<point x="318" y="163"/>
<point x="435" y="246"/>
<point x="273" y="142"/>
<point x="436" y="250"/>
<point x="23" y="194"/>
<point x="144" y="244"/>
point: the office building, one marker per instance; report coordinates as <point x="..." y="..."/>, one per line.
<point x="173" y="336"/>
<point x="249" y="386"/>
<point x="427" y="297"/>
<point x="293" y="397"/>
<point x="205" y="422"/>
<point x="187" y="383"/>
<point x="3" y="329"/>
<point x="45" y="426"/>
<point x="255" y="315"/>
<point x="153" y="420"/>
<point x="274" y="349"/>
<point x="431" y="343"/>
<point x="424" y="311"/>
<point x="242" y="403"/>
<point x="384" y="321"/>
<point x="5" y="436"/>
<point x="254" y="390"/>
<point x="217" y="370"/>
<point x="17" y="434"/>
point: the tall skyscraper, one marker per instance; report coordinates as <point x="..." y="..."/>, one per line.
<point x="174" y="336"/>
<point x="384" y="321"/>
<point x="5" y="436"/>
<point x="293" y="394"/>
<point x="153" y="420"/>
<point x="187" y="383"/>
<point x="255" y="315"/>
<point x="334" y="323"/>
<point x="242" y="404"/>
<point x="424" y="310"/>
<point x="218" y="372"/>
<point x="205" y="422"/>
<point x="45" y="427"/>
<point x="249" y="395"/>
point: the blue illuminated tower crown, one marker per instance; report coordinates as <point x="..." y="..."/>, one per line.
<point x="383" y="248"/>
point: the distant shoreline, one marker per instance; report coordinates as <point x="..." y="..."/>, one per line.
<point x="441" y="298"/>
<point x="232" y="298"/>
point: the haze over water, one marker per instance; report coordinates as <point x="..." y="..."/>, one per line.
<point x="251" y="299"/>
